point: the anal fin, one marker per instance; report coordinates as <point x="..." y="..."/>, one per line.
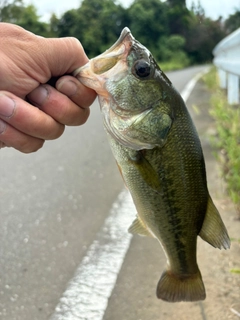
<point x="213" y="229"/>
<point x="137" y="227"/>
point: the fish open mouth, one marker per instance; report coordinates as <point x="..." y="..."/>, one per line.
<point x="108" y="59"/>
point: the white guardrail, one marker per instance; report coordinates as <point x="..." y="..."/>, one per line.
<point x="227" y="60"/>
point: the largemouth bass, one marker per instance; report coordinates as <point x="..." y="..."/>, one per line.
<point x="159" y="155"/>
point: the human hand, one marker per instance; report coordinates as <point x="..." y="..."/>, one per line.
<point x="32" y="111"/>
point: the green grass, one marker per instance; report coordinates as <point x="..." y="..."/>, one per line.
<point x="227" y="140"/>
<point x="235" y="270"/>
<point x="171" y="65"/>
<point x="235" y="240"/>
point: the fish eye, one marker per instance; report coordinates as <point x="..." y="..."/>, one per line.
<point x="142" y="68"/>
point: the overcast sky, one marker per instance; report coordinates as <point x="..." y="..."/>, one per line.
<point x="213" y="8"/>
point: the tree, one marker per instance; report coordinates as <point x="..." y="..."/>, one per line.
<point x="201" y="37"/>
<point x="233" y="22"/>
<point x="69" y="24"/>
<point x="178" y="16"/>
<point x="176" y="3"/>
<point x="167" y="28"/>
<point x="25" y="16"/>
<point x="96" y="23"/>
<point x="148" y="23"/>
<point x="29" y="20"/>
<point x="172" y="52"/>
<point x="197" y="9"/>
<point x="53" y="25"/>
<point x="10" y="11"/>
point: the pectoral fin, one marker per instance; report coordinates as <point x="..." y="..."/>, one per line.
<point x="146" y="170"/>
<point x="213" y="229"/>
<point x="137" y="227"/>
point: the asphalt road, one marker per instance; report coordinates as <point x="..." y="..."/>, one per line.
<point x="52" y="204"/>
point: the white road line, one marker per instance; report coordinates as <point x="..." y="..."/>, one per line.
<point x="87" y="294"/>
<point x="191" y="84"/>
<point x="86" y="297"/>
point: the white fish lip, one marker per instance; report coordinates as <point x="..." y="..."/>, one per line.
<point x="125" y="32"/>
<point x="98" y="65"/>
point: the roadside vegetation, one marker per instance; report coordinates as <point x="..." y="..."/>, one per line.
<point x="227" y="139"/>
<point x="177" y="37"/>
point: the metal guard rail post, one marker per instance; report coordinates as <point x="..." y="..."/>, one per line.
<point x="227" y="60"/>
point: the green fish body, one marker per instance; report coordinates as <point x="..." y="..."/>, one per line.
<point x="159" y="155"/>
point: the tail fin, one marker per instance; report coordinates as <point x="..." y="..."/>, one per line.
<point x="175" y="288"/>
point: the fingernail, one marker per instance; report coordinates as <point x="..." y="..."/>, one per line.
<point x="2" y="126"/>
<point x="38" y="95"/>
<point x="7" y="106"/>
<point x="67" y="87"/>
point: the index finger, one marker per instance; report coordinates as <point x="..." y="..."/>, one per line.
<point x="76" y="91"/>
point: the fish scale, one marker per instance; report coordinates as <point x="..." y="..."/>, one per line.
<point x="159" y="155"/>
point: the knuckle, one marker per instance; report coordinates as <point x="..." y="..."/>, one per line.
<point x="47" y="128"/>
<point x="77" y="118"/>
<point x="75" y="43"/>
<point x="54" y="134"/>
